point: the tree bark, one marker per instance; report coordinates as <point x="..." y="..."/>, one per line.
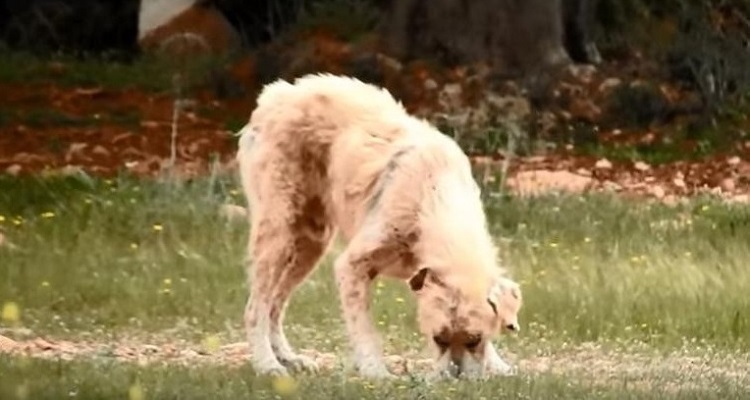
<point x="514" y="37"/>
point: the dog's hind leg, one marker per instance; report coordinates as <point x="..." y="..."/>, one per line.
<point x="289" y="233"/>
<point x="271" y="252"/>
<point x="312" y="236"/>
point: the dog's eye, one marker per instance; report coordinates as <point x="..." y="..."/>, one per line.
<point x="473" y="342"/>
<point x="442" y="343"/>
<point x="492" y="304"/>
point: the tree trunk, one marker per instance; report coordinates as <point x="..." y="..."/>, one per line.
<point x="514" y="37"/>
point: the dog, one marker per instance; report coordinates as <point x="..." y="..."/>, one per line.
<point x="330" y="155"/>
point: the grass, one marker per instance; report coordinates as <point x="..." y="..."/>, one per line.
<point x="107" y="259"/>
<point x="104" y="380"/>
<point x="146" y="72"/>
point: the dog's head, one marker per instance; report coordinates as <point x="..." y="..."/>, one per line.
<point x="459" y="318"/>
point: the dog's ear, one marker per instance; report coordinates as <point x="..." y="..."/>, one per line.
<point x="502" y="286"/>
<point x="417" y="281"/>
<point x="423" y="276"/>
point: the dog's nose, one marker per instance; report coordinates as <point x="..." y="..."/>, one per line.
<point x="454" y="369"/>
<point x="513" y="327"/>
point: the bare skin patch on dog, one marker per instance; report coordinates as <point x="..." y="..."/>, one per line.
<point x="386" y="176"/>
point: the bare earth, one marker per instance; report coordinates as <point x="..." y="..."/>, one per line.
<point x="587" y="361"/>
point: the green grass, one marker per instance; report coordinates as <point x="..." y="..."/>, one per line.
<point x="146" y="72"/>
<point x="101" y="379"/>
<point x="129" y="258"/>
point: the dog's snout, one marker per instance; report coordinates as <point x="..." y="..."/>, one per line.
<point x="454" y="369"/>
<point x="512" y="327"/>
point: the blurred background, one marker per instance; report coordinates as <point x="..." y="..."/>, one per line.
<point x="115" y="284"/>
<point x="601" y="89"/>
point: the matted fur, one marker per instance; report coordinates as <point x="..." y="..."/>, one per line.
<point x="330" y="154"/>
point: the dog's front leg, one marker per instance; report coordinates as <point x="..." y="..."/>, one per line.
<point x="354" y="284"/>
<point x="494" y="364"/>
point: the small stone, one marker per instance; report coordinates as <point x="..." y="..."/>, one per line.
<point x="150" y="349"/>
<point x="609" y="84"/>
<point x="727" y="185"/>
<point x="101" y="151"/>
<point x="641" y="166"/>
<point x="734" y="161"/>
<point x="584" y="109"/>
<point x="13" y="170"/>
<point x="7" y="344"/>
<point x="603" y="164"/>
<point x="658" y="191"/>
<point x="670" y="200"/>
<point x="679" y="182"/>
<point x="430" y="84"/>
<point x="611" y="186"/>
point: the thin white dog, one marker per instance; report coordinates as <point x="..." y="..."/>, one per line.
<point x="330" y="154"/>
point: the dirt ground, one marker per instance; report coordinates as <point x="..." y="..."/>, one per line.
<point x="55" y="129"/>
<point x="589" y="360"/>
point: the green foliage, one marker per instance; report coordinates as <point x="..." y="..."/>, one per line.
<point x="348" y="19"/>
<point x="593" y="268"/>
<point x="638" y="105"/>
<point x="703" y="44"/>
<point x="127" y="258"/>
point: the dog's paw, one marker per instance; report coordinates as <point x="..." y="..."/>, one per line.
<point x="498" y="367"/>
<point x="299" y="363"/>
<point x="272" y="369"/>
<point x="374" y="370"/>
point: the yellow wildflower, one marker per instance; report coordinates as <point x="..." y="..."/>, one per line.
<point x="285" y="385"/>
<point x="135" y="392"/>
<point x="211" y="343"/>
<point x="11" y="313"/>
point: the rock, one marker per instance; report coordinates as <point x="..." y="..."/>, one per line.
<point x="679" y="182"/>
<point x="603" y="164"/>
<point x="514" y="107"/>
<point x="608" y="84"/>
<point x="13" y="170"/>
<point x="44" y="345"/>
<point x="734" y="161"/>
<point x="657" y="191"/>
<point x="727" y="185"/>
<point x="390" y="63"/>
<point x="430" y="84"/>
<point x="641" y="166"/>
<point x="184" y="27"/>
<point x="536" y="182"/>
<point x="584" y="109"/>
<point x="74" y="150"/>
<point x="100" y="151"/>
<point x="611" y="186"/>
<point x="582" y="73"/>
<point x="7" y="344"/>
<point x="671" y="200"/>
<point x="740" y="198"/>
